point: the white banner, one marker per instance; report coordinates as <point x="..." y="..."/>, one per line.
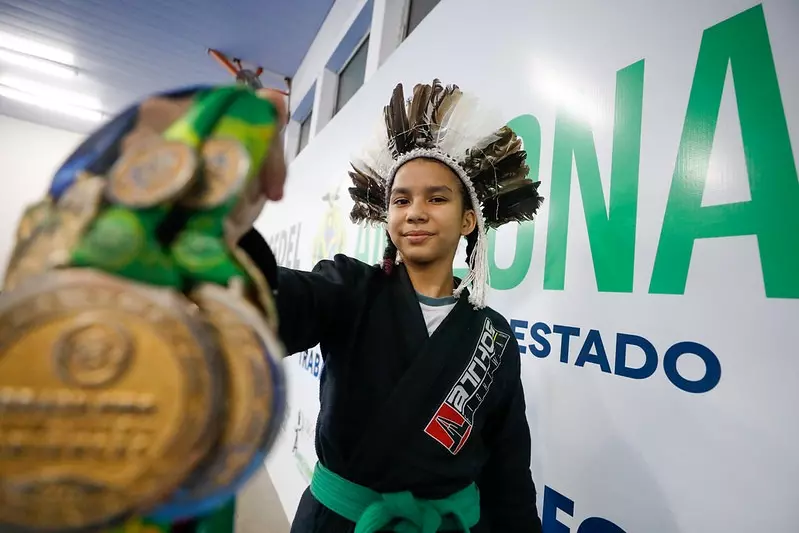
<point x="656" y="296"/>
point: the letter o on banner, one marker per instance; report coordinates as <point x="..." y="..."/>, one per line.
<point x="712" y="367"/>
<point x="598" y="525"/>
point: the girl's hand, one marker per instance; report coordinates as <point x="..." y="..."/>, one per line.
<point x="273" y="172"/>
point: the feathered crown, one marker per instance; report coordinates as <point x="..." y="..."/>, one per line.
<point x="444" y="124"/>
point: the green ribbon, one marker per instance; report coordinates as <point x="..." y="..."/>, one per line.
<point x="400" y="511"/>
<point x="221" y="521"/>
<point x="141" y="525"/>
<point x="123" y="241"/>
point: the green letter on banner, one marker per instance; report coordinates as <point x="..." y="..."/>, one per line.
<point x="370" y="244"/>
<point x="363" y="248"/>
<point x="611" y="226"/>
<point x="773" y="212"/>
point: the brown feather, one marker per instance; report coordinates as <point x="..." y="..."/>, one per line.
<point x="517" y="205"/>
<point x="436" y="94"/>
<point x="446" y="100"/>
<point x="419" y="117"/>
<point x="397" y="125"/>
<point x="497" y="166"/>
<point x="361" y="212"/>
<point x="498" y="162"/>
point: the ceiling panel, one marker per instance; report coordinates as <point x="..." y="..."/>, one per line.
<point x="126" y="49"/>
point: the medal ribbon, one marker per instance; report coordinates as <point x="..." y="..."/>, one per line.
<point x="124" y="240"/>
<point x="222" y="521"/>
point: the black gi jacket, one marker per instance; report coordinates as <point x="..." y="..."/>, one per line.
<point x="401" y="410"/>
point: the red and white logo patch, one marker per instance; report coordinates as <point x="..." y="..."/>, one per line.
<point x="451" y="425"/>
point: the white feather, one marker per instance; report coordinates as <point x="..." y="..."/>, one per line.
<point x="375" y="154"/>
<point x="468" y="124"/>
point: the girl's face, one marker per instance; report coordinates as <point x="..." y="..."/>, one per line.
<point x="426" y="215"/>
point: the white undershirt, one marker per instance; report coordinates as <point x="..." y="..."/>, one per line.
<point x="435" y="310"/>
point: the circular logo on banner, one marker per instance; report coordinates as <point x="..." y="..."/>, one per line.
<point x="331" y="236"/>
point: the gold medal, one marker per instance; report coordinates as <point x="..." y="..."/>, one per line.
<point x="30" y="226"/>
<point x="245" y="212"/>
<point x="226" y="164"/>
<point x="108" y="395"/>
<point x="237" y="223"/>
<point x="246" y="346"/>
<point x="48" y="233"/>
<point x="33" y="217"/>
<point x="151" y="173"/>
<point x="263" y="292"/>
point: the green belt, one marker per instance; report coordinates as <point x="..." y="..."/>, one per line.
<point x="399" y="511"/>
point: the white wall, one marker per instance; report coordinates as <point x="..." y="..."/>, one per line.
<point x="641" y="454"/>
<point x="312" y="70"/>
<point x="29" y="156"/>
<point x="338" y="21"/>
<point x="386" y="31"/>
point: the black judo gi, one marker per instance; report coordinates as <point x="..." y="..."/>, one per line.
<point x="401" y="409"/>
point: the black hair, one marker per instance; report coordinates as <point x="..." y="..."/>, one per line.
<point x="471" y="239"/>
<point x="390" y="253"/>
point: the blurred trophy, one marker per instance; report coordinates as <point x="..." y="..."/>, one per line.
<point x="139" y="360"/>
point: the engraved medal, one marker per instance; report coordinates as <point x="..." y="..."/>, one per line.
<point x="47" y="233"/>
<point x="226" y="164"/>
<point x="108" y="393"/>
<point x="151" y="173"/>
<point x="255" y="404"/>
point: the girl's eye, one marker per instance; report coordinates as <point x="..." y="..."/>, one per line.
<point x="438" y="199"/>
<point x="400" y="201"/>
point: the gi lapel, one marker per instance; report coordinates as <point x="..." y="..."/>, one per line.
<point x="429" y="355"/>
<point x="408" y="315"/>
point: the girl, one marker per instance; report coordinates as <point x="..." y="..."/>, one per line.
<point x="422" y="423"/>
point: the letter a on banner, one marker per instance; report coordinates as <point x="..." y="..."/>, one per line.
<point x="742" y="43"/>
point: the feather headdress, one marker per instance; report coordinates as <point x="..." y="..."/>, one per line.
<point x="444" y="124"/>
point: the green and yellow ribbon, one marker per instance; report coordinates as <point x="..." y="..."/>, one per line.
<point x="222" y="521"/>
<point x="123" y="240"/>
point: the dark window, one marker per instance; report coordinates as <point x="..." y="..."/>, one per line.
<point x="305" y="132"/>
<point x="352" y="75"/>
<point x="417" y="11"/>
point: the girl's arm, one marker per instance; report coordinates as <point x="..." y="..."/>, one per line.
<point x="312" y="306"/>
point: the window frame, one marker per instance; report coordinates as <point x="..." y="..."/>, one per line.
<point x="363" y="44"/>
<point x="306" y="121"/>
<point x="407" y="30"/>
